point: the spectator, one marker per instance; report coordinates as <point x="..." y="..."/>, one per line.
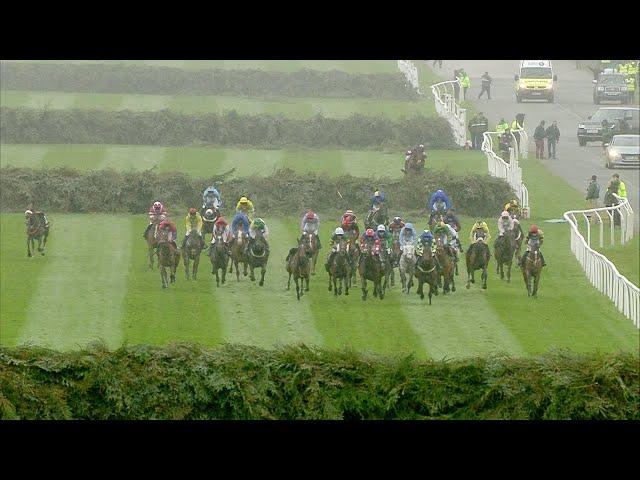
<point x="439" y="62"/>
<point x="483" y="126"/>
<point x="465" y="82"/>
<point x="456" y="86"/>
<point x="505" y="144"/>
<point x="539" y="136"/>
<point x="622" y="188"/>
<point x="610" y="201"/>
<point x="593" y="192"/>
<point x="486" y="85"/>
<point x="553" y="137"/>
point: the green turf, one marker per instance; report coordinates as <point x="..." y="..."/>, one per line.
<point x="204" y="162"/>
<point x="77" y="293"/>
<point x="289" y="107"/>
<point x="350" y="66"/>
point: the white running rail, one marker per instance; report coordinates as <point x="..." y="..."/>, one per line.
<point x="446" y="106"/>
<point x="511" y="172"/>
<point x="600" y="271"/>
<point x="410" y="72"/>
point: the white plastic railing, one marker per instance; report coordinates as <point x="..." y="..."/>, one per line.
<point x="600" y="271"/>
<point x="511" y="172"/>
<point x="411" y="73"/>
<point x="446" y="106"/>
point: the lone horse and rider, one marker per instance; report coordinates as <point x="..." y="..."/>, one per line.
<point x="37" y="229"/>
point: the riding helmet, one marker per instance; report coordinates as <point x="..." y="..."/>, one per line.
<point x="369" y="232"/>
<point x="533" y="229"/>
<point x="339" y="231"/>
<point x="381" y="228"/>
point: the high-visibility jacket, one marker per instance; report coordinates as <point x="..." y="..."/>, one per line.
<point x="515" y="125"/>
<point x="622" y="68"/>
<point x="465" y="81"/>
<point x="622" y="190"/>
<point x="631" y="83"/>
<point x="501" y="127"/>
<point x="632" y="68"/>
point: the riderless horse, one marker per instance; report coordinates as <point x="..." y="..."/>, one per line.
<point x="36" y="230"/>
<point x="407" y="266"/>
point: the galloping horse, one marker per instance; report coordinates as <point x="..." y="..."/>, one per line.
<point x="168" y="256"/>
<point x="340" y="269"/>
<point x="478" y="256"/>
<point x="299" y="266"/>
<point x="208" y="225"/>
<point x="504" y="247"/>
<point x="518" y="237"/>
<point x="36" y="230"/>
<point x="377" y="216"/>
<point x="532" y="268"/>
<point x="152" y="242"/>
<point x="237" y="253"/>
<point x="354" y="256"/>
<point x="312" y="247"/>
<point x="192" y="249"/>
<point x="407" y="266"/>
<point x="371" y="268"/>
<point x="427" y="272"/>
<point x="396" y="252"/>
<point x="219" y="255"/>
<point x="446" y="266"/>
<point x="258" y="256"/>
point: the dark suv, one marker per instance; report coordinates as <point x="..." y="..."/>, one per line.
<point x="590" y="130"/>
<point x="610" y="86"/>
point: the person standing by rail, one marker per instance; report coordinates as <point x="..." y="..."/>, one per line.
<point x="553" y="137"/>
<point x="486" y="85"/>
<point x="539" y="136"/>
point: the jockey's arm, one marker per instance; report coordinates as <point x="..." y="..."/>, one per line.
<point x="199" y="217"/>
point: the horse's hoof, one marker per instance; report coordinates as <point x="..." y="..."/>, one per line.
<point x="261" y="283"/>
<point x="42" y="253"/>
<point x="421" y="296"/>
<point x="484" y="287"/>
<point x="29" y="255"/>
<point x="453" y="289"/>
<point x="468" y="286"/>
<point x="313" y="273"/>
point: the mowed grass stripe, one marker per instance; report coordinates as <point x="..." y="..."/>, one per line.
<point x="78" y="296"/>
<point x="351" y="66"/>
<point x="298" y="108"/>
<point x="18" y="276"/>
<point x="269" y="315"/>
<point x="204" y="162"/>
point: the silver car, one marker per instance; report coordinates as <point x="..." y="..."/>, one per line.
<point x="623" y="151"/>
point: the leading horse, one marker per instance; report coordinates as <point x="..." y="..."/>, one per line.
<point x="257" y="256"/>
<point x="168" y="256"/>
<point x="531" y="270"/>
<point x="340" y="269"/>
<point x="407" y="266"/>
<point x="371" y="268"/>
<point x="447" y="267"/>
<point x="299" y="266"/>
<point x="504" y="248"/>
<point x="219" y="256"/>
<point x="478" y="256"/>
<point x="237" y="252"/>
<point x="36" y="230"/>
<point x="191" y="251"/>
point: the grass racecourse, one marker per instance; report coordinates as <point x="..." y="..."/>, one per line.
<point x="93" y="282"/>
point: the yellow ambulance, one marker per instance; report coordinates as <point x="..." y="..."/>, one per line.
<point x="535" y="80"/>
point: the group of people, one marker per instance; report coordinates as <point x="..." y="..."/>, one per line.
<point x="552" y="134"/>
<point x="629" y="68"/>
<point x="614" y="186"/>
<point x="414" y="159"/>
<point x="477" y="126"/>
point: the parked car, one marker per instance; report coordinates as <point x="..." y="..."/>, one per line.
<point x="590" y="130"/>
<point x="610" y="86"/>
<point x="623" y="151"/>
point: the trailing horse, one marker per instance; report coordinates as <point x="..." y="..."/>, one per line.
<point x="407" y="267"/>
<point x="371" y="268"/>
<point x="478" y="256"/>
<point x="531" y="270"/>
<point x="168" y="256"/>
<point x="237" y="253"/>
<point x="504" y="248"/>
<point x="446" y="264"/>
<point x="191" y="251"/>
<point x="36" y="230"/>
<point x="299" y="266"/>
<point x="377" y="216"/>
<point x="340" y="269"/>
<point x="427" y="272"/>
<point x="257" y="256"/>
<point x="219" y="256"/>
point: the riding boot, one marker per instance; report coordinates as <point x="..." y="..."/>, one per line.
<point x="319" y="243"/>
<point x="144" y="235"/>
<point x="184" y="242"/>
<point x="544" y="264"/>
<point x="522" y="259"/>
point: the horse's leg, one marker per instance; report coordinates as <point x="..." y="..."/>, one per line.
<point x="430" y="293"/>
<point x="307" y="282"/>
<point x="453" y="282"/>
<point x="263" y="271"/>
<point x="420" y="290"/>
<point x="295" y="279"/>
<point x="245" y="269"/>
<point x="224" y="270"/>
<point x="484" y="276"/>
<point x="335" y="285"/>
<point x="185" y="258"/>
<point x="231" y="265"/>
<point x="28" y="247"/>
<point x="289" y="283"/>
<point x="235" y="264"/>
<point x="163" y="276"/>
<point x="403" y="281"/>
<point x="536" y="280"/>
<point x="509" y="271"/>
<point x="364" y="287"/>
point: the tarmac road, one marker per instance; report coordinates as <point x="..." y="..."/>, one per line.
<point x="573" y="103"/>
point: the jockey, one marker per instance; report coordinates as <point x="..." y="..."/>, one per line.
<point x="370" y="239"/>
<point x="257" y="224"/>
<point x="396" y="225"/>
<point x="311" y="224"/>
<point x="425" y="240"/>
<point x="173" y="231"/>
<point x="451" y="219"/>
<point x="349" y="222"/>
<point x="239" y="217"/>
<point x="439" y="202"/>
<point x="376" y="200"/>
<point x="245" y="206"/>
<point x="338" y="235"/>
<point x="446" y="231"/>
<point x="385" y="236"/>
<point x="157" y="213"/>
<point x="211" y="199"/>
<point x="408" y="235"/>
<point x="30" y="212"/>
<point x="221" y="227"/>
<point x="191" y="221"/>
<point x="534" y="236"/>
<point x="513" y="207"/>
<point x="505" y="223"/>
<point x="209" y="217"/>
<point x="479" y="232"/>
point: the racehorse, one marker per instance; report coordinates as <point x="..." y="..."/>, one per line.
<point x="36" y="230"/>
<point x="312" y="247"/>
<point x="518" y="237"/>
<point x="427" y="272"/>
<point x="219" y="256"/>
<point x="299" y="266"/>
<point x="168" y="256"/>
<point x="377" y="216"/>
<point x="478" y="256"/>
<point x="446" y="264"/>
<point x="208" y="225"/>
<point x="258" y="256"/>
<point x="407" y="267"/>
<point x="396" y="251"/>
<point x="191" y="251"/>
<point x="237" y="253"/>
<point x="531" y="269"/>
<point x="503" y="249"/>
<point x="371" y="268"/>
<point x="340" y="269"/>
<point x="354" y="257"/>
<point x="152" y="242"/>
<point x="414" y="163"/>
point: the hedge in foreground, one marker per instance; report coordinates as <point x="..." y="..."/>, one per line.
<point x="166" y="127"/>
<point x="186" y="381"/>
<point x="101" y="78"/>
<point x="283" y="193"/>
